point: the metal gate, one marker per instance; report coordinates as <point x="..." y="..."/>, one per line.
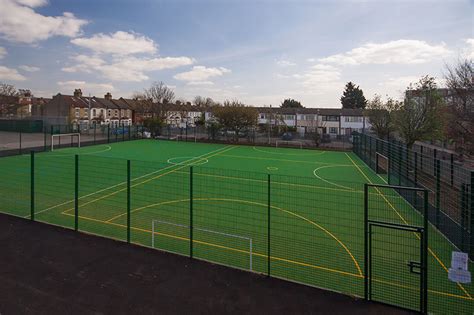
<point x="396" y="246"/>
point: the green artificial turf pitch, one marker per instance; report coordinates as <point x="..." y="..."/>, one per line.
<point x="303" y="207"/>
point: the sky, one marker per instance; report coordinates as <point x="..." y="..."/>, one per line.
<point x="258" y="52"/>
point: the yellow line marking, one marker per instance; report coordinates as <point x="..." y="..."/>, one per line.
<point x="228" y="148"/>
<point x="223" y="247"/>
<point x="281" y="160"/>
<point x="327" y="181"/>
<point x="417" y="288"/>
<point x="295" y="154"/>
<point x="258" y="204"/>
<point x="274" y="182"/>
<point x="271" y="257"/>
<point x="405" y="221"/>
<point x="116" y="185"/>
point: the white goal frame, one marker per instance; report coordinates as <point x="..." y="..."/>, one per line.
<point x="289" y="142"/>
<point x="184" y="137"/>
<point x="59" y="135"/>
<point x="380" y="155"/>
<point x="155" y="223"/>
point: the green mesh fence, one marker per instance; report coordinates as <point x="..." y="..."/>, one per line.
<point x="296" y="228"/>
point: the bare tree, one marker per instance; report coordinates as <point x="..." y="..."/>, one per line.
<point x="460" y="127"/>
<point x="9" y="102"/>
<point x="421" y="115"/>
<point x="236" y="117"/>
<point x="8" y="90"/>
<point x="381" y="116"/>
<point x="161" y="96"/>
<point x="200" y="101"/>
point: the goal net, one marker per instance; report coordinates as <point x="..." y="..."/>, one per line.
<point x="218" y="247"/>
<point x="74" y="139"/>
<point x="296" y="144"/>
<point x="186" y="138"/>
<point x="381" y="162"/>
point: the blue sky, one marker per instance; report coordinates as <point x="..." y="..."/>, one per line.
<point x="259" y="52"/>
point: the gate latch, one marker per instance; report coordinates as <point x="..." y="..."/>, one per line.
<point x="415" y="267"/>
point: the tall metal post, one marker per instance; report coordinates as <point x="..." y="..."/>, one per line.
<point x="438" y="191"/>
<point x="472" y="214"/>
<point x="452" y="169"/>
<point x="191" y="212"/>
<point x="76" y="193"/>
<point x="268" y="224"/>
<point x="128" y="201"/>
<point x="425" y="253"/>
<point x="32" y="187"/>
<point x="366" y="241"/>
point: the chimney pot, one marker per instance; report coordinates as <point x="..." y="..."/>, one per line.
<point x="108" y="96"/>
<point x="77" y="93"/>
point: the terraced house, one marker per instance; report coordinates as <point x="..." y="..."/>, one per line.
<point x="85" y="112"/>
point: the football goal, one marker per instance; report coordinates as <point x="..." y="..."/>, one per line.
<point x="296" y="144"/>
<point x="69" y="136"/>
<point x="174" y="237"/>
<point x="381" y="162"/>
<point x="186" y="138"/>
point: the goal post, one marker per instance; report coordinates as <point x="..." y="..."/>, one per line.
<point x="186" y="138"/>
<point x="297" y="144"/>
<point x="381" y="163"/>
<point x="209" y="238"/>
<point x="71" y="135"/>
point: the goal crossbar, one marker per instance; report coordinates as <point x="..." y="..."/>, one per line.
<point x="154" y="224"/>
<point x="59" y="135"/>
<point x="289" y="142"/>
<point x="185" y="138"/>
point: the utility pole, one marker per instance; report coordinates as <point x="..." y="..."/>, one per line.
<point x="89" y="112"/>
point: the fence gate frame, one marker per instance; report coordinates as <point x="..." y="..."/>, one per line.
<point x="422" y="265"/>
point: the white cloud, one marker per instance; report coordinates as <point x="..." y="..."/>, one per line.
<point x="3" y="52"/>
<point x="125" y="68"/>
<point x="29" y="68"/>
<point x="20" y="23"/>
<point x="200" y="83"/>
<point x="285" y="63"/>
<point x="469" y="51"/>
<point x="118" y="43"/>
<point x="97" y="89"/>
<point x="311" y="60"/>
<point x="200" y="74"/>
<point x="394" y="52"/>
<point x="10" y="74"/>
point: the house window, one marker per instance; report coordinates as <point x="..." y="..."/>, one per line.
<point x="357" y="119"/>
<point x="309" y="117"/>
<point x="333" y="130"/>
<point x="77" y="112"/>
<point x="122" y="112"/>
<point x="93" y="112"/>
<point x="331" y="118"/>
<point x="262" y="116"/>
<point x="109" y="112"/>
<point x="116" y="112"/>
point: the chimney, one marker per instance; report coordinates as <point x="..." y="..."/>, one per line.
<point x="108" y="96"/>
<point x="77" y="93"/>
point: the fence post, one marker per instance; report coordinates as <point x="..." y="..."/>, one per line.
<point x="435" y="153"/>
<point x="95" y="129"/>
<point x="44" y="135"/>
<point x="399" y="165"/>
<point x="191" y="212"/>
<point x="472" y="214"/>
<point x="389" y="149"/>
<point x="425" y="253"/>
<point x="452" y="169"/>
<point x="108" y="133"/>
<point x="464" y="199"/>
<point x="421" y="157"/>
<point x="416" y="169"/>
<point x="268" y="224"/>
<point x="366" y="241"/>
<point x="128" y="201"/>
<point x="129" y="132"/>
<point x="20" y="141"/>
<point x="370" y="152"/>
<point x="76" y="193"/>
<point x="32" y="187"/>
<point x="438" y="191"/>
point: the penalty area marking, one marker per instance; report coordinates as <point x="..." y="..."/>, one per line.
<point x="272" y="168"/>
<point x="183" y="160"/>
<point x="327" y="181"/>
